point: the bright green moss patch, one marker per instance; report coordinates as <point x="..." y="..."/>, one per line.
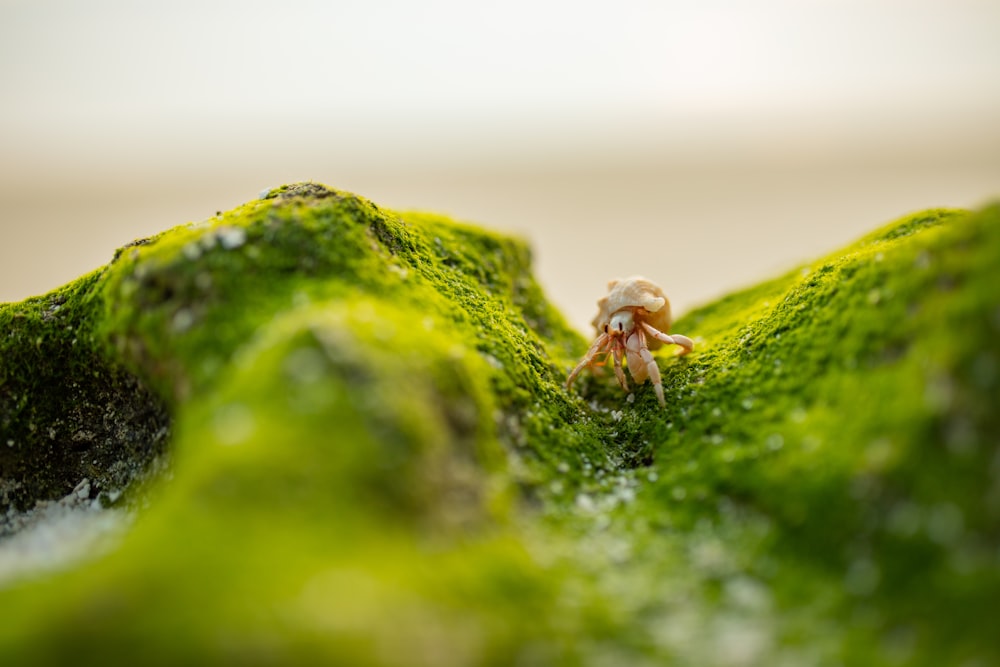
<point x="374" y="460"/>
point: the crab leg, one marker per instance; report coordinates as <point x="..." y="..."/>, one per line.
<point x="618" y="350"/>
<point x="676" y="339"/>
<point x="642" y="364"/>
<point x="604" y="361"/>
<point x="652" y="369"/>
<point x="594" y="350"/>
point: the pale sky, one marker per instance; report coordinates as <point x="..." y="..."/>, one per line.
<point x="147" y="114"/>
<point x="92" y="66"/>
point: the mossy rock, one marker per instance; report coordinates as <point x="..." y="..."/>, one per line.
<point x="353" y="445"/>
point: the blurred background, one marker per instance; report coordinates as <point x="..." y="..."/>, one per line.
<point x="706" y="145"/>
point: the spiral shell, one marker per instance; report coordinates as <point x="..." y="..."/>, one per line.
<point x="644" y="298"/>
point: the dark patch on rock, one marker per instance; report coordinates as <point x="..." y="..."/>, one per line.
<point x="304" y="190"/>
<point x="105" y="426"/>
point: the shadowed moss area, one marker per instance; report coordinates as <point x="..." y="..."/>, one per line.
<point x="374" y="459"/>
<point x="68" y="411"/>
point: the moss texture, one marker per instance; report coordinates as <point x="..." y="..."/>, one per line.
<point x="374" y="461"/>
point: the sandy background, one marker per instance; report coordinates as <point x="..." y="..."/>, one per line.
<point x="704" y="145"/>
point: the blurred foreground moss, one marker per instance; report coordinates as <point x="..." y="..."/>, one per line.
<point x="372" y="459"/>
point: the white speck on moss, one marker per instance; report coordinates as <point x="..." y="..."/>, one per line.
<point x="586" y="503"/>
<point x="82" y="490"/>
<point x="491" y="360"/>
<point x="625" y="494"/>
<point x="739" y="640"/>
<point x="747" y="593"/>
<point x="182" y="320"/>
<point x="191" y="251"/>
<point x="709" y="555"/>
<point x="231" y="237"/>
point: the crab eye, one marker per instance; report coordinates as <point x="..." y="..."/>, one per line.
<point x="605" y="328"/>
<point x="620" y="327"/>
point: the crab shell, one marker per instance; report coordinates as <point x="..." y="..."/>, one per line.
<point x="641" y="296"/>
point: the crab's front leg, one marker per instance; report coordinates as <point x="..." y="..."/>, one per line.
<point x="636" y="347"/>
<point x="617" y="350"/>
<point x="596" y="348"/>
<point x="684" y="342"/>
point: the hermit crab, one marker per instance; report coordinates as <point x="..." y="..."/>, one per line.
<point x="632" y="320"/>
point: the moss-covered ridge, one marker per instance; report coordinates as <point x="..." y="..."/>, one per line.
<point x="374" y="461"/>
<point x="341" y="298"/>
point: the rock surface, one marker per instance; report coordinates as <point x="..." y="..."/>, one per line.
<point x="372" y="458"/>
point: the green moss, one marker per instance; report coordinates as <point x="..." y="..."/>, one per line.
<point x="374" y="460"/>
